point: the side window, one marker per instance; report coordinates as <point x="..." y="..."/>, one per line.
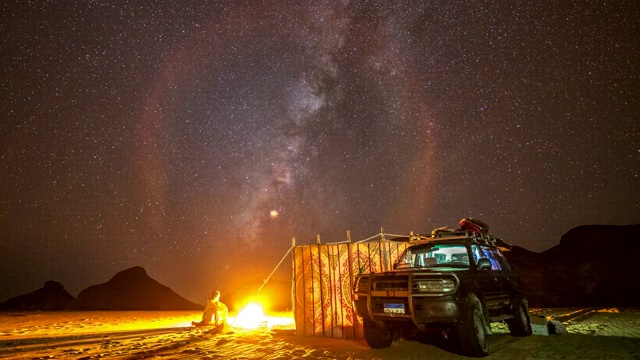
<point x="501" y="259"/>
<point x="476" y="253"/>
<point x="489" y="254"/>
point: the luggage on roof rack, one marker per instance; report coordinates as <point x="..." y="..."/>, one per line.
<point x="444" y="231"/>
<point x="474" y="225"/>
<point x="474" y="230"/>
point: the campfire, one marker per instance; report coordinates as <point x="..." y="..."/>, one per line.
<point x="253" y="316"/>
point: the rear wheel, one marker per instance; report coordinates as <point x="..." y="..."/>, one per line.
<point x="377" y="336"/>
<point x="471" y="330"/>
<point x="519" y="325"/>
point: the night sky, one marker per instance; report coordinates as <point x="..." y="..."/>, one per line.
<point x="163" y="134"/>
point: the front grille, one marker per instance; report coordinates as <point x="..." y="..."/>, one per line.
<point x="390" y="285"/>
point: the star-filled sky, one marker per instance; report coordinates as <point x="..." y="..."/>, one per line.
<point x="196" y="138"/>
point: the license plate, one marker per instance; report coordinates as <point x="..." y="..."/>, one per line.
<point x="394" y="309"/>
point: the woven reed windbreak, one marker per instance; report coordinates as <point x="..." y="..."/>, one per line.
<point x="323" y="276"/>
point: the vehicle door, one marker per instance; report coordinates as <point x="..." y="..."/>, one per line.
<point x="511" y="282"/>
<point x="491" y="280"/>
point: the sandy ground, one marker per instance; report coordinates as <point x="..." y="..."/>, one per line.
<point x="592" y="334"/>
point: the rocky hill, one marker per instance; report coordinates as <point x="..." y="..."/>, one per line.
<point x="132" y="289"/>
<point x="594" y="265"/>
<point x="51" y="297"/>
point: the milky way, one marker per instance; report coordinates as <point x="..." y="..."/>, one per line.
<point x="193" y="138"/>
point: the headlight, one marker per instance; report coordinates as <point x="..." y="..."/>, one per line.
<point x="361" y="285"/>
<point x="436" y="285"/>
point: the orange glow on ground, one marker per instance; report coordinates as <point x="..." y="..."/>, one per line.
<point x="611" y="310"/>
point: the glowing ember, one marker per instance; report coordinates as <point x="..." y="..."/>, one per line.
<point x="250" y="317"/>
<point x="281" y="321"/>
<point x="274" y="214"/>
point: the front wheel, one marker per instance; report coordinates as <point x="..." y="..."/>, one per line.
<point x="519" y="325"/>
<point x="471" y="331"/>
<point x="377" y="336"/>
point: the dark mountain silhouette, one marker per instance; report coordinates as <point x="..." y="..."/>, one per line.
<point x="132" y="289"/>
<point x="52" y="297"/>
<point x="594" y="265"/>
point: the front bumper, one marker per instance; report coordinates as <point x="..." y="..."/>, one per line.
<point x="392" y="297"/>
<point x="421" y="311"/>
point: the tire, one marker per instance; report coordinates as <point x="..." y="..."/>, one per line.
<point x="377" y="336"/>
<point x="471" y="331"/>
<point x="519" y="325"/>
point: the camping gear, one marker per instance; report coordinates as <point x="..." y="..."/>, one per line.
<point x="474" y="225"/>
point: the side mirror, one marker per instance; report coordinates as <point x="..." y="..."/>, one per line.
<point x="484" y="264"/>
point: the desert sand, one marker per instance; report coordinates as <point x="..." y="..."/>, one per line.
<point x="591" y="334"/>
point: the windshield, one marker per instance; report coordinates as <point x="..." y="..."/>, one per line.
<point x="432" y="255"/>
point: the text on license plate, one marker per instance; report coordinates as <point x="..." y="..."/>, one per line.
<point x="391" y="308"/>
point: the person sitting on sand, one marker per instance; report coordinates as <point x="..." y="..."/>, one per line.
<point x="213" y="308"/>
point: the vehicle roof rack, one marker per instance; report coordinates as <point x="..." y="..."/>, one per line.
<point x="474" y="237"/>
